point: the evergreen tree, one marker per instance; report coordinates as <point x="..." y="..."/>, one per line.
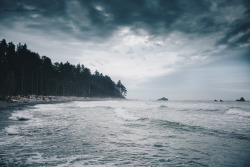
<point x="24" y="72"/>
<point x="121" y="88"/>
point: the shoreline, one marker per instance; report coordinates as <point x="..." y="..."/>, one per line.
<point x="7" y="108"/>
<point x="33" y="100"/>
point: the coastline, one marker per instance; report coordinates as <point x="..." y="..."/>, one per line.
<point x="32" y="100"/>
<point x="21" y="103"/>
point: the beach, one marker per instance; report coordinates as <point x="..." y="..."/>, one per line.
<point x="18" y="101"/>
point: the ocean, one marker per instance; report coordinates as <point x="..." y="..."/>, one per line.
<point x="127" y="133"/>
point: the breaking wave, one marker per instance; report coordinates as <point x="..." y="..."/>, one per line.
<point x="125" y="115"/>
<point x="199" y="129"/>
<point x="22" y="115"/>
<point x="239" y="112"/>
<point x="12" y="130"/>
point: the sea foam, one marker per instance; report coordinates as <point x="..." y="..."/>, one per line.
<point x="125" y="115"/>
<point x="21" y="116"/>
<point x="12" y="130"/>
<point x="240" y="112"/>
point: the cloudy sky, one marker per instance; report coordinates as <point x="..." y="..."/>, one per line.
<point x="180" y="49"/>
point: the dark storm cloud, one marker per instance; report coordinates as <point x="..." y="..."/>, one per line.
<point x="100" y="18"/>
<point x="239" y="31"/>
<point x="23" y="11"/>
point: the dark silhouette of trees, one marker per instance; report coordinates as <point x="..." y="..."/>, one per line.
<point x="3" y="65"/>
<point x="23" y="72"/>
<point x="9" y="86"/>
<point x="121" y="88"/>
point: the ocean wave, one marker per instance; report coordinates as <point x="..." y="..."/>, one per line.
<point x="203" y="130"/>
<point x="20" y="116"/>
<point x="125" y="115"/>
<point x="163" y="106"/>
<point x="208" y="110"/>
<point x="177" y="125"/>
<point x="143" y="119"/>
<point x="12" y="130"/>
<point x="239" y="112"/>
<point x="104" y="107"/>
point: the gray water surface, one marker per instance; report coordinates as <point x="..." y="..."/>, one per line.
<point x="128" y="133"/>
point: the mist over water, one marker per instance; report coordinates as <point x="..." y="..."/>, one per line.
<point x="128" y="133"/>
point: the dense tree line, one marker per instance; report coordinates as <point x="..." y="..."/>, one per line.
<point x="23" y="72"/>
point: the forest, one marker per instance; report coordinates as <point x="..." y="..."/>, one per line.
<point x="23" y="72"/>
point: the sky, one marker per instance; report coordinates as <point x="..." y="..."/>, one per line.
<point x="179" y="49"/>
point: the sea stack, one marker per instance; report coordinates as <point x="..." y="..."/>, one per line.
<point x="163" y="99"/>
<point x="241" y="99"/>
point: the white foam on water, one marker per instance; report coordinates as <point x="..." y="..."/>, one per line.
<point x="109" y="128"/>
<point x="62" y="162"/>
<point x="45" y="107"/>
<point x="94" y="104"/>
<point x="235" y="111"/>
<point x="38" y="158"/>
<point x="12" y="130"/>
<point x="125" y="115"/>
<point x="21" y="116"/>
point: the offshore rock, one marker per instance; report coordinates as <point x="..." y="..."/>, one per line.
<point x="241" y="99"/>
<point x="163" y="98"/>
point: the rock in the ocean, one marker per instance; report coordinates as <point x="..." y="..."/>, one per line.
<point x="22" y="119"/>
<point x="241" y="99"/>
<point x="164" y="98"/>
